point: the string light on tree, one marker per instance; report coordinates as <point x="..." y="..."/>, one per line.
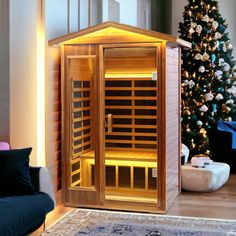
<point x="208" y="86"/>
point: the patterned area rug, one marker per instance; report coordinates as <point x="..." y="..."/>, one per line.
<point x="113" y="223"/>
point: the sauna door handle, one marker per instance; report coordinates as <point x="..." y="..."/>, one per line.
<point x="109" y="123"/>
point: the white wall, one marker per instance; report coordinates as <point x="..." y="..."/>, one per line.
<point x="23" y="92"/>
<point x="4" y="72"/>
<point x="177" y="15"/>
<point x="227" y="11"/>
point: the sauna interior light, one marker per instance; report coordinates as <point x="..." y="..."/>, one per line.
<point x="151" y="164"/>
<point x="109" y="33"/>
<point x="127" y="75"/>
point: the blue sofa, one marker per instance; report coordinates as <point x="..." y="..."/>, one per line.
<point x="222" y="140"/>
<point x="23" y="214"/>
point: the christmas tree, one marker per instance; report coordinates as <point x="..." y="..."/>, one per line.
<point x="208" y="84"/>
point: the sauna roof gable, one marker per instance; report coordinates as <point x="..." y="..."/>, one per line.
<point x="111" y="32"/>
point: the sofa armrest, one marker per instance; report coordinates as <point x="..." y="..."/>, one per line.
<point x="42" y="182"/>
<point x="220" y="141"/>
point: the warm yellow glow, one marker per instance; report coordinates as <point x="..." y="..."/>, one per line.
<point x="40" y="96"/>
<point x="151" y="164"/>
<point x="140" y="156"/>
<point x="126" y="75"/>
<point x="110" y="32"/>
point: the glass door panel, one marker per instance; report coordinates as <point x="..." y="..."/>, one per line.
<point x="82" y="159"/>
<point x="131" y="123"/>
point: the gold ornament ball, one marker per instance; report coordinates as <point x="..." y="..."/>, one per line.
<point x="188" y="112"/>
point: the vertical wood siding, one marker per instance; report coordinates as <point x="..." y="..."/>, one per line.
<point x="53" y="125"/>
<point x="172" y="123"/>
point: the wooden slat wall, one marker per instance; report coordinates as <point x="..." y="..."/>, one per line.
<point x="76" y="50"/>
<point x="53" y="118"/>
<point x="58" y="137"/>
<point x="136" y="61"/>
<point x="53" y="137"/>
<point x="172" y="123"/>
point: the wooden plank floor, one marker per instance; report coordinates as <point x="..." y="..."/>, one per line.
<point x="220" y="204"/>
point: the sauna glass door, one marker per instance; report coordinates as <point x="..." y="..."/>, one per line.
<point x="130" y="81"/>
<point x="81" y="134"/>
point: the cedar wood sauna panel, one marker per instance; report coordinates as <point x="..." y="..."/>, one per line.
<point x="120" y="118"/>
<point x="172" y="124"/>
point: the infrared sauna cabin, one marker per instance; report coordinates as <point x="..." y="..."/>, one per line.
<point x="121" y="118"/>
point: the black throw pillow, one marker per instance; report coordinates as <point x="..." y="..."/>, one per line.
<point x="14" y="172"/>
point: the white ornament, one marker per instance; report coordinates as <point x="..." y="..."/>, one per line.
<point x="232" y="90"/>
<point x="199" y="123"/>
<point x="221" y="61"/>
<point x="205" y="56"/>
<point x="217" y="35"/>
<point x="215" y="24"/>
<point x="218" y="74"/>
<point x="199" y="29"/>
<point x="230" y="46"/>
<point x="217" y="44"/>
<point x="224" y="48"/>
<point x="193" y="25"/>
<point x="205" y="18"/>
<point x="230" y="119"/>
<point x="203" y="108"/>
<point x="186" y="82"/>
<point x="191" y="30"/>
<point x="201" y="69"/>
<point x="226" y="67"/>
<point x="191" y="84"/>
<point x="219" y="97"/>
<point x="198" y="56"/>
<point x="209" y="97"/>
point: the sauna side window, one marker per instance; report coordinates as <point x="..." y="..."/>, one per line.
<point x="81" y="72"/>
